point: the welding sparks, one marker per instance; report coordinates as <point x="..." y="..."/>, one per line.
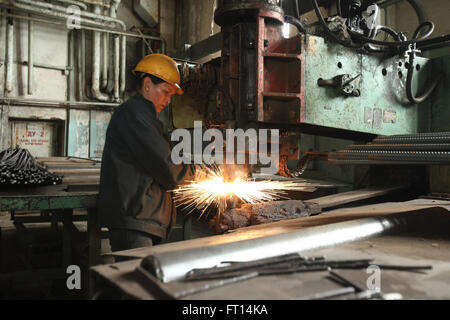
<point x="211" y="190"/>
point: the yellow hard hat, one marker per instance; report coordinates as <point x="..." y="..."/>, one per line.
<point x="161" y="66"/>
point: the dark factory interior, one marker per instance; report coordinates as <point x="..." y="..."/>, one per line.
<point x="224" y="150"/>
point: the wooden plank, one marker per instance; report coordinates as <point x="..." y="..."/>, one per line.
<point x="355" y="195"/>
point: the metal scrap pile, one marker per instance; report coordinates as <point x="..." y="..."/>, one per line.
<point x="19" y="168"/>
<point x="421" y="148"/>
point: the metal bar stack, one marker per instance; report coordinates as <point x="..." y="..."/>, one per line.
<point x="19" y="168"/>
<point x="412" y="149"/>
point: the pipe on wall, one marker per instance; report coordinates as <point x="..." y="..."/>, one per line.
<point x="54" y="11"/>
<point x="97" y="15"/>
<point x="75" y="3"/>
<point x="123" y="51"/>
<point x="116" y="68"/>
<point x="54" y="14"/>
<point x="9" y="56"/>
<point x="80" y="63"/>
<point x="117" y="60"/>
<point x="105" y="60"/>
<point x="83" y="14"/>
<point x="30" y="57"/>
<point x="96" y="55"/>
<point x="123" y="65"/>
<point x="84" y="27"/>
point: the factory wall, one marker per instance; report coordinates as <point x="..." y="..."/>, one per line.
<point x="76" y="130"/>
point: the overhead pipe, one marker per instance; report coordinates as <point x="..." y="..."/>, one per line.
<point x="70" y="65"/>
<point x="105" y="60"/>
<point x="84" y="27"/>
<point x="96" y="54"/>
<point x="52" y="13"/>
<point x="59" y="12"/>
<point x="52" y="103"/>
<point x="123" y="43"/>
<point x="30" y="57"/>
<point x="9" y="56"/>
<point x="81" y="55"/>
<point x="75" y="3"/>
<point x="117" y="61"/>
<point x="116" y="93"/>
<point x="123" y="65"/>
<point x="96" y="15"/>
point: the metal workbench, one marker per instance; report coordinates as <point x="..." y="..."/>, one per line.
<point x="56" y="204"/>
<point x="420" y="245"/>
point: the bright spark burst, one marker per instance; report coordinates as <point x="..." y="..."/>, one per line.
<point x="211" y="190"/>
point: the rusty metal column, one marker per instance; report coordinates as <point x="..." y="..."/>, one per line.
<point x="243" y="41"/>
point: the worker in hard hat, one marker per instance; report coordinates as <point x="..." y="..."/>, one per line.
<point x="137" y="174"/>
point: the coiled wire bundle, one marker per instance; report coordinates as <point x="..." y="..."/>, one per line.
<point x="19" y="168"/>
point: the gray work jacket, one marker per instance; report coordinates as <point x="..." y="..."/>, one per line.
<point x="137" y="173"/>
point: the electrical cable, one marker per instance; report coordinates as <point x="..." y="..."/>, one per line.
<point x="295" y="22"/>
<point x="397" y="43"/>
<point x="369" y="40"/>
<point x="409" y="78"/>
<point x="329" y="32"/>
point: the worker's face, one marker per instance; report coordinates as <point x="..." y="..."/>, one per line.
<point x="160" y="94"/>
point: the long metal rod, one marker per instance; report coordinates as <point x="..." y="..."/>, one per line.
<point x="30" y="56"/>
<point x="69" y="63"/>
<point x="83" y="64"/>
<point x="9" y="56"/>
<point x="42" y="65"/>
<point x="53" y="103"/>
<point x="170" y="266"/>
<point x="79" y="63"/>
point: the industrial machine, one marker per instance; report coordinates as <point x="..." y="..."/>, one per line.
<point x="333" y="78"/>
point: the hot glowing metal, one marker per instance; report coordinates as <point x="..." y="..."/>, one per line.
<point x="211" y="190"/>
